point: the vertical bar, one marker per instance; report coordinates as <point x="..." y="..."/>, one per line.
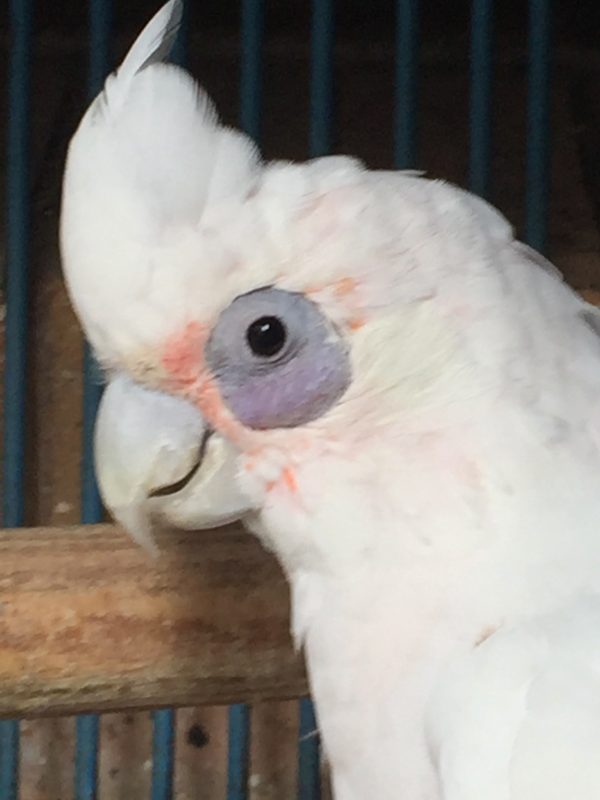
<point x="237" y="757"/>
<point x="86" y="757"/>
<point x="309" y="774"/>
<point x="405" y="107"/>
<point x="17" y="245"/>
<point x="99" y="20"/>
<point x="179" y="54"/>
<point x="538" y="123"/>
<point x="91" y="504"/>
<point x="320" y="140"/>
<point x="252" y="33"/>
<point x="9" y="759"/>
<point x="88" y="725"/>
<point x="15" y="367"/>
<point x="480" y="118"/>
<point x="163" y="754"/>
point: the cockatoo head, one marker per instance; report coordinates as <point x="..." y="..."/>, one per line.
<point x="279" y="313"/>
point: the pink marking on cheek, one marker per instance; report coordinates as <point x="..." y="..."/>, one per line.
<point x="340" y="289"/>
<point x="285" y="489"/>
<point x="357" y="323"/>
<point x="343" y="293"/>
<point x="183" y="355"/>
<point x="345" y="287"/>
<point x="286" y="481"/>
<point x="205" y="394"/>
<point x="210" y="403"/>
<point x="183" y="360"/>
<point x="289" y="478"/>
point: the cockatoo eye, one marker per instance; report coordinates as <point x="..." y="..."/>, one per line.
<point x="277" y="359"/>
<point x="266" y="336"/>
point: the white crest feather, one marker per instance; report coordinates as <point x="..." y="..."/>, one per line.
<point x="155" y="42"/>
<point x="147" y="158"/>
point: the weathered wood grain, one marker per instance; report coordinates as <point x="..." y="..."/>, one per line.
<point x="88" y="621"/>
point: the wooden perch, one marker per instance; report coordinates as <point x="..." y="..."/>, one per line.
<point x="88" y="621"/>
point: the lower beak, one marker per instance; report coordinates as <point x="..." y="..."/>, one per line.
<point x="156" y="458"/>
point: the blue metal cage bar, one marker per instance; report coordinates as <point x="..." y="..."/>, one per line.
<point x="86" y="757"/>
<point x="238" y="752"/>
<point x="17" y="271"/>
<point x="407" y="69"/>
<point x="321" y="124"/>
<point x="252" y="39"/>
<point x="538" y="123"/>
<point x="309" y="766"/>
<point x="480" y="115"/>
<point x="163" y="754"/>
<point x="17" y="247"/>
<point x="179" y="54"/>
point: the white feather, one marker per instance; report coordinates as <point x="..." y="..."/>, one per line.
<point x="153" y="45"/>
<point x="519" y="717"/>
<point x="147" y="159"/>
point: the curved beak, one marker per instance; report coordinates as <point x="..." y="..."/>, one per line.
<point x="157" y="459"/>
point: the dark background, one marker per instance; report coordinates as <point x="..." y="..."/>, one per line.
<point x="575" y="21"/>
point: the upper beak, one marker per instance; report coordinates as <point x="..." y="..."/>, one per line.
<point x="157" y="458"/>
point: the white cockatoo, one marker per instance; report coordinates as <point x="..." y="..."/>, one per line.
<point x="400" y="399"/>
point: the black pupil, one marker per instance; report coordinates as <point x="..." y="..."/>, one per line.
<point x="266" y="336"/>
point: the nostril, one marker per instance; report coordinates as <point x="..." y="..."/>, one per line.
<point x="173" y="488"/>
